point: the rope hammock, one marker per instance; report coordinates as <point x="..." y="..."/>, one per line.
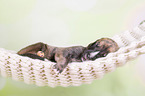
<point x="41" y="73"/>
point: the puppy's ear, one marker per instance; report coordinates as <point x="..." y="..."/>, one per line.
<point x="94" y="46"/>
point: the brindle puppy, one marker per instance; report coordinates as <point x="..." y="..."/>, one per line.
<point x="99" y="48"/>
<point x="63" y="56"/>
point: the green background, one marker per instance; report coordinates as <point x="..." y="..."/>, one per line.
<point x="67" y="23"/>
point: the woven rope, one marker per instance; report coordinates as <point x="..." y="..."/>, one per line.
<point x="30" y="71"/>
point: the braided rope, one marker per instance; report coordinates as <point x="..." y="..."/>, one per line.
<point x="30" y="71"/>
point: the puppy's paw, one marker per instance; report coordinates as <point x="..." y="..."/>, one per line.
<point x="58" y="68"/>
<point x="40" y="53"/>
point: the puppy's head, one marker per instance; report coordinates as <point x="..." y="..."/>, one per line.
<point x="99" y="48"/>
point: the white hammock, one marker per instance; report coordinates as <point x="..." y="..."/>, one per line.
<point x="30" y="71"/>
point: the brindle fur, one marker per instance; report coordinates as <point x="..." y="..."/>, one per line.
<point x="63" y="56"/>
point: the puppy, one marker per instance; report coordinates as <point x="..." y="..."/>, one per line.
<point x="99" y="48"/>
<point x="63" y="56"/>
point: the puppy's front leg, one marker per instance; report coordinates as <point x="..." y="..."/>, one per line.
<point x="62" y="62"/>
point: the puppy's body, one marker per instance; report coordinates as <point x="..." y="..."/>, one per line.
<point x="63" y="56"/>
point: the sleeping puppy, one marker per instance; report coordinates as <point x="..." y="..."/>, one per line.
<point x="63" y="56"/>
<point x="99" y="48"/>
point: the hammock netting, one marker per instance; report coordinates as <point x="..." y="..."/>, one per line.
<point x="41" y="73"/>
